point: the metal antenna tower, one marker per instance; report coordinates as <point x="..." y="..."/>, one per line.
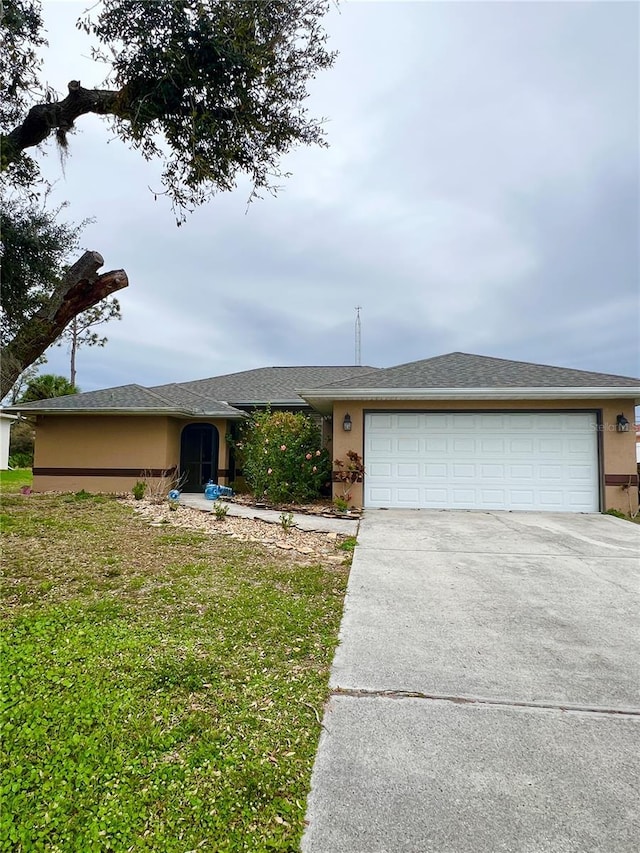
<point x="358" y="336"/>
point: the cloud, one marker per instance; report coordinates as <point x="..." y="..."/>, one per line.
<point x="480" y="193"/>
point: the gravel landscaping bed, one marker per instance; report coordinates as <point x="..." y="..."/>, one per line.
<point x="315" y="547"/>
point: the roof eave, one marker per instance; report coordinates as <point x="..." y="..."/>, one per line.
<point x="139" y="410"/>
<point x="320" y="399"/>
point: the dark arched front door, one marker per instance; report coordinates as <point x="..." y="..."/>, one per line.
<point x="198" y="456"/>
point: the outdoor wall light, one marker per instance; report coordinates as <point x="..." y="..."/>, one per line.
<point x="346" y="423"/>
<point x="622" y="424"/>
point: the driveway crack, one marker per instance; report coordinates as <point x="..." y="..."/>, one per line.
<point x="479" y="700"/>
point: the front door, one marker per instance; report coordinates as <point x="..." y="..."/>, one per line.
<point x="198" y="456"/>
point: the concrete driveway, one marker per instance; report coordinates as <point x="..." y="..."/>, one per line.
<point x="485" y="694"/>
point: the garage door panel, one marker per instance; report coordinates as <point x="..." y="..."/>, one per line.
<point x="520" y="446"/>
<point x="579" y="472"/>
<point x="490" y="472"/>
<point x="380" y="469"/>
<point x="409" y="422"/>
<point x="380" y="445"/>
<point x="435" y="470"/>
<point x="408" y="496"/>
<point x="492" y="497"/>
<point x="408" y="469"/>
<point x="504" y="461"/>
<point x="550" y="472"/>
<point x="435" y="422"/>
<point x="464" y="471"/>
<point x="521" y="472"/>
<point x="381" y="421"/>
<point x="492" y="446"/>
<point x="408" y="445"/>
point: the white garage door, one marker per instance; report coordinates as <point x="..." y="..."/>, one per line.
<point x="512" y="460"/>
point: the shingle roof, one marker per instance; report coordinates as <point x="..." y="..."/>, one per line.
<point x="220" y="395"/>
<point x="275" y="385"/>
<point x="131" y="398"/>
<point x="121" y="397"/>
<point x="462" y="370"/>
<point x="213" y="397"/>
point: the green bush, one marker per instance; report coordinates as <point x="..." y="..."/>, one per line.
<point x="616" y="514"/>
<point x="139" y="490"/>
<point x="21" y="460"/>
<point x="21" y="444"/>
<point x="282" y="457"/>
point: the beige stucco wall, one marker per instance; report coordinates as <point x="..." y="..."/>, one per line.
<point x="617" y="449"/>
<point x="140" y="443"/>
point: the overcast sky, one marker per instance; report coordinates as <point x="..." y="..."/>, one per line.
<point x="480" y="193"/>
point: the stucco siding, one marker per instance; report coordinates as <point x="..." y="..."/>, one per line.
<point x="73" y="444"/>
<point x="74" y="452"/>
<point x="617" y="450"/>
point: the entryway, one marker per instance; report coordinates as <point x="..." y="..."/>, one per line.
<point x="198" y="456"/>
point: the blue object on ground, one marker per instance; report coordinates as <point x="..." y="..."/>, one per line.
<point x="174" y="495"/>
<point x="213" y="491"/>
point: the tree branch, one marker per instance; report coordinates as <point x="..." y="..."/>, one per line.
<point x="42" y="119"/>
<point x="81" y="288"/>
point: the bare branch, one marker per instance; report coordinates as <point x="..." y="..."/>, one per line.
<point x="81" y="288"/>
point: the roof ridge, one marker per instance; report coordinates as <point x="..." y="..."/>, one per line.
<point x="351" y="378"/>
<point x="153" y="393"/>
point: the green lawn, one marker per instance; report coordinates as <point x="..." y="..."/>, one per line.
<point x="161" y="689"/>
<point x="11" y="481"/>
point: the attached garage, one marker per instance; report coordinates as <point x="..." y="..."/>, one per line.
<point x="482" y="460"/>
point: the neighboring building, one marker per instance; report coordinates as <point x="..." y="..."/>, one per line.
<point x="455" y="431"/>
<point x="5" y="438"/>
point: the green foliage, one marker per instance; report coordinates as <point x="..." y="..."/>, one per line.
<point x="12" y="481"/>
<point x="341" y="504"/>
<point x="21" y="444"/>
<point x="22" y="38"/>
<point x="286" y="521"/>
<point x="616" y="514"/>
<point x="348" y="544"/>
<point x="220" y="509"/>
<point x="215" y="88"/>
<point x="81" y="331"/>
<point x="47" y="386"/>
<point x="348" y="473"/>
<point x="139" y="490"/>
<point x="282" y="456"/>
<point x="21" y="460"/>
<point x="157" y="694"/>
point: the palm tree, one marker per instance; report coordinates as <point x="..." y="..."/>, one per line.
<point x="46" y="386"/>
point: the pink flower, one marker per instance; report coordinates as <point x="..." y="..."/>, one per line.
<point x="269" y="470"/>
<point x="314" y="469"/>
<point x="317" y="453"/>
<point x="283" y="447"/>
<point x="308" y="456"/>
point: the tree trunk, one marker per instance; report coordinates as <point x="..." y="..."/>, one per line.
<point x="73" y="348"/>
<point x="81" y="288"/>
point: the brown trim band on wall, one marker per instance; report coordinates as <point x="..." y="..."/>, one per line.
<point x="223" y="472"/>
<point x="621" y="479"/>
<point x="104" y="472"/>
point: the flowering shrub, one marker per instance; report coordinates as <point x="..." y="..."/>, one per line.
<point x="349" y="472"/>
<point x="282" y="457"/>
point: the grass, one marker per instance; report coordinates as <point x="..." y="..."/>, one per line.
<point x="12" y="481"/>
<point x="161" y="689"/>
